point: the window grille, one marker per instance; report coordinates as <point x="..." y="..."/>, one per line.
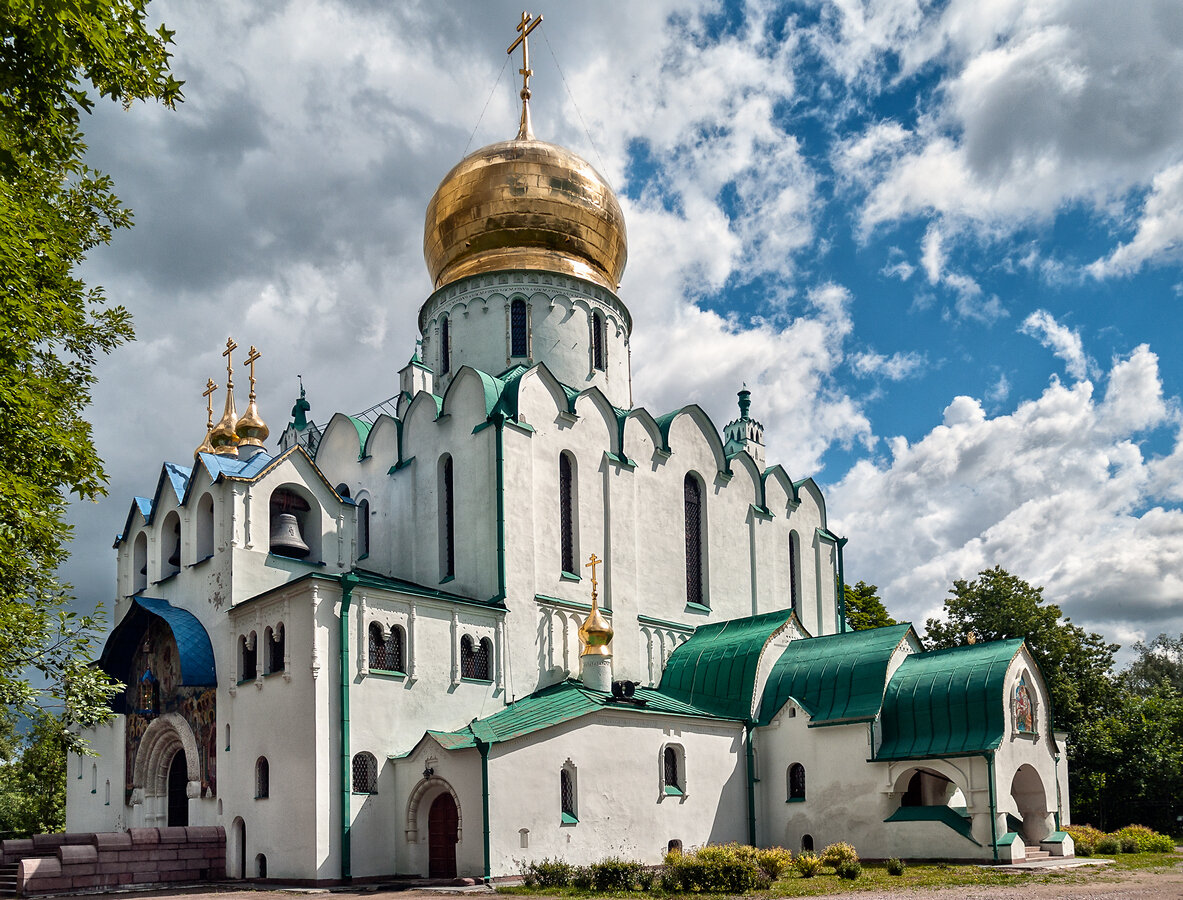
<point x="445" y="347"/>
<point x="394" y="650"/>
<point x="365" y="773"/>
<point x="670" y="768"/>
<point x="794" y="552"/>
<point x="377" y="647"/>
<point x="476" y="659"/>
<point x="567" y="793"/>
<point x="519" y="345"/>
<point x="598" y="342"/>
<point x="693" y="504"/>
<point x="566" y="513"/>
<point x="262" y="778"/>
<point x="449" y="535"/>
<point x="796" y="782"/>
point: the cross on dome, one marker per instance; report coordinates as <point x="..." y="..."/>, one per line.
<point x="524" y="27"/>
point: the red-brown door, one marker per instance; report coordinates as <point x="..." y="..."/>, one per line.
<point x="441" y="837"/>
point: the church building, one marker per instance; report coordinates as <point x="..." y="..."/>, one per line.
<point x="509" y="614"/>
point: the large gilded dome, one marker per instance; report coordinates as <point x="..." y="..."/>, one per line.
<point x="524" y="204"/>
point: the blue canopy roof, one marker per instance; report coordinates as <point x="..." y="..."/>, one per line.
<point x="193" y="643"/>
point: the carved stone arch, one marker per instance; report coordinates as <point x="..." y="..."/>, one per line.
<point x="428" y="789"/>
<point x="162" y="739"/>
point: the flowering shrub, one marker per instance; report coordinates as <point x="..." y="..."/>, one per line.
<point x="807" y="864"/>
<point x="839" y="853"/>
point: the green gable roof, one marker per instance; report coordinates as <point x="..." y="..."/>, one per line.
<point x="555" y="705"/>
<point x="716" y="668"/>
<point x="947" y="702"/>
<point x="837" y="677"/>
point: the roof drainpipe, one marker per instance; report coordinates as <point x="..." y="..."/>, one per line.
<point x="841" y="587"/>
<point x="993" y="804"/>
<point x="499" y="426"/>
<point x="484" y="750"/>
<point x="348" y="582"/>
<point x="747" y="726"/>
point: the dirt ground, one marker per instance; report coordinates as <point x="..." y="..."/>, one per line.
<point x="1099" y="884"/>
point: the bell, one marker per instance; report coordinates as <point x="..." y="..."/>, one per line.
<point x="286" y="539"/>
<point x="175" y="559"/>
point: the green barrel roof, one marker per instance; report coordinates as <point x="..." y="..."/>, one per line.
<point x="716" y="668"/>
<point x="836" y="677"/>
<point x="947" y="702"/>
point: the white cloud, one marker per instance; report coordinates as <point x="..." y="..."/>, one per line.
<point x="1061" y="340"/>
<point x="896" y="367"/>
<point x="1159" y="235"/>
<point x="932" y="259"/>
<point x="1056" y="492"/>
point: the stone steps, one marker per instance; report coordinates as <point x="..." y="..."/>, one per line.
<point x="8" y="880"/>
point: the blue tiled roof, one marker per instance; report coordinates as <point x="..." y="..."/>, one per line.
<point x="145" y="505"/>
<point x="193" y="643"/>
<point x="233" y="467"/>
<point x="178" y="477"/>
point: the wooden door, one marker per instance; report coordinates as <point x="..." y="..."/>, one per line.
<point x="442" y="822"/>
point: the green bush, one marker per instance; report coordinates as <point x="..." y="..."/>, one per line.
<point x="839" y="852"/>
<point x="1108" y="845"/>
<point x="849" y="869"/>
<point x="775" y="861"/>
<point x="807" y="864"/>
<point x="615" y="874"/>
<point x="581" y="877"/>
<point x="729" y="868"/>
<point x="895" y="866"/>
<point x="548" y="873"/>
<point x="1144" y="840"/>
<point x="1085" y="838"/>
<point x="645" y="879"/>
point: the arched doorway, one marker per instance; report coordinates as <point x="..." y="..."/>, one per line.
<point x="442" y="821"/>
<point x="1026" y="789"/>
<point x="236" y="852"/>
<point x="178" y="801"/>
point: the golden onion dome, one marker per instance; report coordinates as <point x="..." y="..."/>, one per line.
<point x="595" y="633"/>
<point x="524" y="204"/>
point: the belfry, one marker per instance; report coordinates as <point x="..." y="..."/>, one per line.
<point x="507" y="613"/>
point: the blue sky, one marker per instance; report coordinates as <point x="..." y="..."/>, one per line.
<point x="939" y="241"/>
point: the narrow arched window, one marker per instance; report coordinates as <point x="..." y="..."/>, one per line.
<point x="250" y="657"/>
<point x="476" y="658"/>
<point x="519" y="344"/>
<point x="671" y="770"/>
<point x="377" y="647"/>
<point x="365" y="773"/>
<point x="445" y="346"/>
<point x="276" y="649"/>
<point x="693" y="510"/>
<point x="567" y="512"/>
<point x="205" y="527"/>
<point x="447" y="521"/>
<point x="598" y="328"/>
<point x="267" y="659"/>
<point x="363" y="528"/>
<point x="467" y="657"/>
<point x="567" y="795"/>
<point x="262" y="778"/>
<point x="394" y="649"/>
<point x="139" y="579"/>
<point x="794" y="567"/>
<point x="796" y="782"/>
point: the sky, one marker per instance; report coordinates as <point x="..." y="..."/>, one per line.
<point x="940" y="243"/>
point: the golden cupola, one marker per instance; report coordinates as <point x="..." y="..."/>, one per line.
<point x="223" y="437"/>
<point x="251" y="430"/>
<point x="524" y="204"/>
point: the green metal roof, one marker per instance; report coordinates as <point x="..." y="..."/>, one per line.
<point x="947" y="702"/>
<point x="837" y="677"/>
<point x="555" y="705"/>
<point x="715" y="669"/>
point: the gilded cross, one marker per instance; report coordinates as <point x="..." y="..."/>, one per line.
<point x="524" y="27"/>
<point x="230" y="348"/>
<point x="208" y="393"/>
<point x="252" y="357"/>
<point x="591" y="564"/>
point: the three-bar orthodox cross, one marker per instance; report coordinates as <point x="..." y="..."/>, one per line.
<point x="591" y="564"/>
<point x="208" y="393"/>
<point x="524" y="27"/>
<point x="252" y="357"/>
<point x="230" y="348"/>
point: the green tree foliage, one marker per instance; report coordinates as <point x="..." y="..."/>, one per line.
<point x="33" y="778"/>
<point x="56" y="56"/>
<point x="864" y="609"/>
<point x="1157" y="663"/>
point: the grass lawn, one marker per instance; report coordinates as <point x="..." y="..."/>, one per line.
<point x="875" y="877"/>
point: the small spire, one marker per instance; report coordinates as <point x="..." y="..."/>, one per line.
<point x="745" y="402"/>
<point x="299" y="420"/>
<point x="223" y="436"/>
<point x="252" y="431"/>
<point x="208" y="394"/>
<point x="524" y="27"/>
<point x="416" y="357"/>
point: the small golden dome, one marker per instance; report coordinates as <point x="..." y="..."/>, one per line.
<point x="224" y="438"/>
<point x="252" y="431"/>
<point x="524" y="204"/>
<point x="595" y="633"/>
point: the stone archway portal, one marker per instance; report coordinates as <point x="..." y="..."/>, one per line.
<point x="442" y="822"/>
